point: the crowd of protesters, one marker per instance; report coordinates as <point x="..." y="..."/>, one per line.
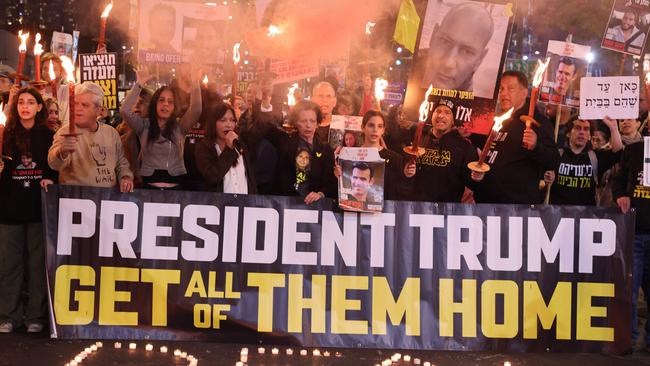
<point x="185" y="137"/>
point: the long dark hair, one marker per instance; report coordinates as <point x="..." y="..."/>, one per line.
<point x="215" y="113"/>
<point x="15" y="133"/>
<point x="171" y="123"/>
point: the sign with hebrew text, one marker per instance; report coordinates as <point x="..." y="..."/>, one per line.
<point x="614" y="97"/>
<point x="101" y="69"/>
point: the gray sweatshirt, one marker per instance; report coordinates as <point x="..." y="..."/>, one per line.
<point x="162" y="154"/>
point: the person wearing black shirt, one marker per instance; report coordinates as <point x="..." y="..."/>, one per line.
<point x="441" y="173"/>
<point x="629" y="191"/>
<point x="580" y="167"/>
<point x="518" y="157"/>
<point x="26" y="141"/>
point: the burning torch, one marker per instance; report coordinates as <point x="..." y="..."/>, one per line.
<point x="425" y="107"/>
<point x="102" y="29"/>
<point x="480" y="165"/>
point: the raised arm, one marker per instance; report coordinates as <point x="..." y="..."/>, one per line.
<point x="194" y="112"/>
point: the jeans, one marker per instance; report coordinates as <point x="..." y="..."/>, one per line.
<point x="640" y="276"/>
<point x="14" y="241"/>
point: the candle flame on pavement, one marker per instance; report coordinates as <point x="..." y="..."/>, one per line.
<point x="426" y="105"/>
<point x="498" y="120"/>
<point x="380" y="86"/>
<point x="107" y="10"/>
<point x="23" y="41"/>
<point x="539" y="72"/>
<point x="68" y="66"/>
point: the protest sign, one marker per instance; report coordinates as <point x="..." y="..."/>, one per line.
<point x="561" y="81"/>
<point x="345" y="131"/>
<point x="615" y="97"/>
<point x="627" y="29"/>
<point x="61" y="44"/>
<point x="101" y="69"/>
<point x="361" y="184"/>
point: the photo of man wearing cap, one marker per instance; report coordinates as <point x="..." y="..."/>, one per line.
<point x="441" y="173"/>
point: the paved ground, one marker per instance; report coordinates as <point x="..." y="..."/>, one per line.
<point x="20" y="348"/>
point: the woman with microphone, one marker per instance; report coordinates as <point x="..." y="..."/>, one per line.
<point x="222" y="159"/>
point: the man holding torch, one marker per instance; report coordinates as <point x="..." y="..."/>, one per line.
<point x="519" y="156"/>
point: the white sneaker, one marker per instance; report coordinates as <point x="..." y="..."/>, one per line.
<point x="6" y="327"/>
<point x="35" y="328"/>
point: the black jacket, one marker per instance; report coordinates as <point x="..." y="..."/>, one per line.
<point x="515" y="172"/>
<point x="20" y="190"/>
<point x="442" y="172"/>
<point x="214" y="167"/>
<point x="628" y="182"/>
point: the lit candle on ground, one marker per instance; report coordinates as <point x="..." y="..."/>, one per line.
<point x="303" y="352"/>
<point x="407" y="358"/>
<point x="118" y="345"/>
<point x="149" y="347"/>
<point x="132" y="346"/>
<point x="261" y="350"/>
<point x="275" y="351"/>
<point x="22" y="52"/>
<point x="289" y="352"/>
<point x="177" y="353"/>
<point x="163" y="349"/>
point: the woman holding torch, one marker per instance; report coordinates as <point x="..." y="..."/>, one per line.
<point x="162" y="133"/>
<point x="26" y="140"/>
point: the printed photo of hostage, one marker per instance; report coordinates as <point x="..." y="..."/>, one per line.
<point x="361" y="185"/>
<point x="462" y="48"/>
<point x="628" y="27"/>
<point x="159" y="38"/>
<point x="345" y="131"/>
<point x="568" y="65"/>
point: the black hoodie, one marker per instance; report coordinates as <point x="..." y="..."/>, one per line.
<point x="628" y="182"/>
<point x="20" y="190"/>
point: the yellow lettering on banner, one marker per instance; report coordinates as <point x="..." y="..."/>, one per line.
<point x="230" y="294"/>
<point x="202" y="316"/>
<point x="558" y="310"/>
<point x="212" y="285"/>
<point x="85" y="299"/>
<point x="341" y="304"/>
<point x="160" y="280"/>
<point x="586" y="311"/>
<point x="407" y="305"/>
<point x="109" y="296"/>
<point x="467" y="307"/>
<point x="297" y="303"/>
<point x="510" y="292"/>
<point x="217" y="315"/>
<point x="266" y="282"/>
<point x="196" y="285"/>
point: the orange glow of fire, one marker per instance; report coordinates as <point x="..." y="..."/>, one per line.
<point x="498" y="120"/>
<point x="539" y="72"/>
<point x="426" y="105"/>
<point x="52" y="73"/>
<point x="369" y="26"/>
<point x="380" y="86"/>
<point x="68" y="66"/>
<point x="291" y="100"/>
<point x="273" y="31"/>
<point x="23" y="41"/>
<point x="38" y="48"/>
<point x="107" y="10"/>
<point x="235" y="53"/>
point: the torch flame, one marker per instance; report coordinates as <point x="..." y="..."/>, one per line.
<point x="68" y="66"/>
<point x="291" y="100"/>
<point x="23" y="41"/>
<point x="498" y="120"/>
<point x="52" y="74"/>
<point x="539" y="72"/>
<point x="380" y="86"/>
<point x="107" y="10"/>
<point x="369" y="26"/>
<point x="426" y="105"/>
<point x="3" y="118"/>
<point x="205" y="80"/>
<point x="273" y="31"/>
<point x="235" y="53"/>
<point x="38" y="48"/>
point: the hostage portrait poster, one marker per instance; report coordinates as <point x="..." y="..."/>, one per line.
<point x="461" y="51"/>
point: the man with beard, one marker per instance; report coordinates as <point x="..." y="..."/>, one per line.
<point x="324" y="95"/>
<point x="441" y="173"/>
<point x="627" y="32"/>
<point x="581" y="167"/>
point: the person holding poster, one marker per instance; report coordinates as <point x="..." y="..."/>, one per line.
<point x="22" y="250"/>
<point x="441" y="173"/>
<point x="162" y="133"/>
<point x="568" y="64"/>
<point x="627" y="28"/>
<point x="305" y="162"/>
<point x="361" y="180"/>
<point x="519" y="156"/>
